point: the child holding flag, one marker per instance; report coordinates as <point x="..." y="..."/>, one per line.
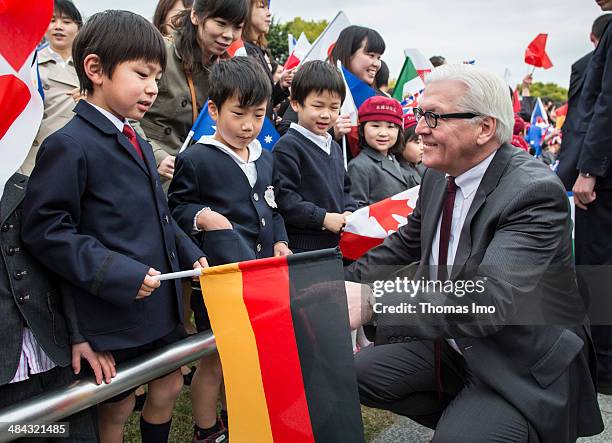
<point x="95" y="211"/>
<point x="232" y="223"/>
<point x="312" y="184"/>
<point x="375" y="173"/>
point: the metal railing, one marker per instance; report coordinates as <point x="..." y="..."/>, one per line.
<point x="60" y="403"/>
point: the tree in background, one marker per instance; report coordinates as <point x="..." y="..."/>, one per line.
<point x="277" y="37"/>
<point x="550" y="91"/>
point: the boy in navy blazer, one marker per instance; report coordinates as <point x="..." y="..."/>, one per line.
<point x="312" y="184"/>
<point x="96" y="215"/>
<point x="222" y="192"/>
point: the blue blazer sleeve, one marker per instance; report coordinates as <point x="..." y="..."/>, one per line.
<point x="184" y="197"/>
<point x="295" y="210"/>
<point x="52" y="212"/>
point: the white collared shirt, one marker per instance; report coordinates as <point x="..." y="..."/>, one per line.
<point x="248" y="167"/>
<point x="109" y="115"/>
<point x="58" y="58"/>
<point x="322" y="141"/>
<point x="467" y="184"/>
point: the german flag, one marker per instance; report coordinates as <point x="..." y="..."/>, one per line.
<point x="282" y="332"/>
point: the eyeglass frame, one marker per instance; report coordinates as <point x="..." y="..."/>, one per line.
<point x="453" y="115"/>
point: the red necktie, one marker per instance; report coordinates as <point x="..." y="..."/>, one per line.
<point x="131" y="136"/>
<point x="445" y="231"/>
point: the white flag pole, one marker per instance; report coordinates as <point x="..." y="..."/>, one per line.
<point x="187" y="140"/>
<point x="181" y="274"/>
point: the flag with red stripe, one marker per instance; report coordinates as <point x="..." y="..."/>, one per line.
<point x="282" y="332"/>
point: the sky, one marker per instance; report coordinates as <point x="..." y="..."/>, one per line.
<point x="495" y="33"/>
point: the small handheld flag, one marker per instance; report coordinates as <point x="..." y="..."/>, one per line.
<point x="535" y="54"/>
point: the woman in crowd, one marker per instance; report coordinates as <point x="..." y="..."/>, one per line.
<point x="166" y="11"/>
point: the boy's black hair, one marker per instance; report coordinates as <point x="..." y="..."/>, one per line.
<point x="240" y="77"/>
<point x="235" y="12"/>
<point x="66" y="8"/>
<point x="398" y="146"/>
<point x="382" y="76"/>
<point x="317" y="76"/>
<point x="351" y="39"/>
<point x="116" y="37"/>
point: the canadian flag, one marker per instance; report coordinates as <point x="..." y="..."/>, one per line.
<point x="21" y="105"/>
<point x="299" y="51"/>
<point x="369" y="226"/>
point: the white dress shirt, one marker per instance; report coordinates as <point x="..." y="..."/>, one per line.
<point x="109" y="115"/>
<point x="467" y="184"/>
<point x="322" y="141"/>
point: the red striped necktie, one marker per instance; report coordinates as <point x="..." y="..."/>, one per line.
<point x="131" y="136"/>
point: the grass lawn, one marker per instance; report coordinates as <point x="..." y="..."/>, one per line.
<point x="374" y="422"/>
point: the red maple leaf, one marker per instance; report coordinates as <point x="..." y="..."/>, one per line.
<point x="383" y="212"/>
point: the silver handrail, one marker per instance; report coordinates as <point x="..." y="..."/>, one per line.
<point x="60" y="403"/>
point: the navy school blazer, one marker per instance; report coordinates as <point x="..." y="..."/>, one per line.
<point x="206" y="176"/>
<point x="95" y="214"/>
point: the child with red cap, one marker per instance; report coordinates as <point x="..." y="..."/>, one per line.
<point x="375" y="173"/>
<point x="411" y="152"/>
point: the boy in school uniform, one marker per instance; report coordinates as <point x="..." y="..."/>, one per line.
<point x="96" y="215"/>
<point x="313" y="188"/>
<point x="222" y="191"/>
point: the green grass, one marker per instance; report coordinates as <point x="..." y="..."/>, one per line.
<point x="374" y="422"/>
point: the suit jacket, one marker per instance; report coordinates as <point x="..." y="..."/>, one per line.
<point x="595" y="108"/>
<point x="201" y="179"/>
<point x="516" y="240"/>
<point x="570" y="147"/>
<point x="29" y="294"/>
<point x="96" y="214"/>
<point x="375" y="177"/>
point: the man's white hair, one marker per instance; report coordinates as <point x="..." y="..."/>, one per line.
<point x="487" y="94"/>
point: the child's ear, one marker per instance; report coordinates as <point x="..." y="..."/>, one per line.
<point x="294" y="105"/>
<point x="93" y="69"/>
<point x="213" y="111"/>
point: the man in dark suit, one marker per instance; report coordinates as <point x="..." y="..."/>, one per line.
<point x="491" y="228"/>
<point x="570" y="148"/>
<point x="593" y="193"/>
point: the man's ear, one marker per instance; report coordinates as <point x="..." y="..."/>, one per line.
<point x="488" y="126"/>
<point x="294" y="105"/>
<point x="93" y="69"/>
<point x="213" y="111"/>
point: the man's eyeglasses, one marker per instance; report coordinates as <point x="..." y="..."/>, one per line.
<point x="431" y="118"/>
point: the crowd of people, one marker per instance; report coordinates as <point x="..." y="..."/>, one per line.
<point x="106" y="201"/>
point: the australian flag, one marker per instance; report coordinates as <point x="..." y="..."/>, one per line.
<point x="205" y="125"/>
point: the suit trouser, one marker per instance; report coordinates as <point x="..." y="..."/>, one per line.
<point x="593" y="248"/>
<point x="401" y="378"/>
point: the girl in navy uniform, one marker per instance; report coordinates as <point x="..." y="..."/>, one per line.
<point x="222" y="193"/>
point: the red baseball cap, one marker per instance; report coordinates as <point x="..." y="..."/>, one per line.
<point x="381" y="108"/>
<point x="409" y="121"/>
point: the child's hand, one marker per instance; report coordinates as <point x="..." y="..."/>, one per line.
<point x="286" y="78"/>
<point x="281" y="249"/>
<point x="102" y="363"/>
<point x="166" y="167"/>
<point x="346" y="214"/>
<point x="76" y="94"/>
<point x="148" y="284"/>
<point x="212" y="221"/>
<point x="201" y="263"/>
<point x="342" y="126"/>
<point x="334" y="222"/>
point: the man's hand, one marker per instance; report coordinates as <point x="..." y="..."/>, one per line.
<point x="334" y="222"/>
<point x="342" y="126"/>
<point x="149" y="284"/>
<point x="281" y="249"/>
<point x="102" y="363"/>
<point x="212" y="221"/>
<point x="166" y="167"/>
<point x="201" y="263"/>
<point x="584" y="191"/>
<point x="359" y="309"/>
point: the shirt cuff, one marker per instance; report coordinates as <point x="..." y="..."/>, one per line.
<point x="195" y="219"/>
